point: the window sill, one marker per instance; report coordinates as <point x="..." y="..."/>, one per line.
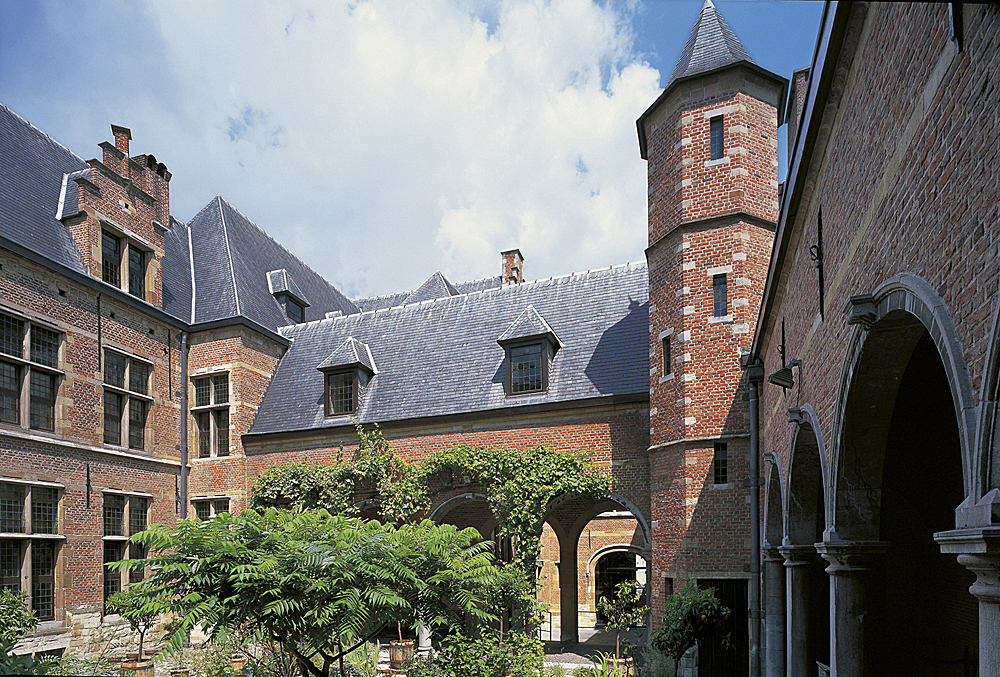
<point x="721" y="319"/>
<point x="46" y="628"/>
<point x="667" y="378"/>
<point x="720" y="486"/>
<point x="40" y="537"/>
<point x="716" y="163"/>
<point x="209" y="407"/>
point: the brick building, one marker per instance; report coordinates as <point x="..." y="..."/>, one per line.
<point x="880" y="512"/>
<point x="151" y="367"/>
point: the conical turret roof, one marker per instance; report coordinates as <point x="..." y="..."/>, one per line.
<point x="711" y="45"/>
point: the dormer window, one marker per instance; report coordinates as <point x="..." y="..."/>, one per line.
<point x="529" y="345"/>
<point x="346" y="374"/>
<point x="295" y="312"/>
<point x="288" y="295"/>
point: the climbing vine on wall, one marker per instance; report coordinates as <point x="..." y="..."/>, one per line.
<point x="519" y="485"/>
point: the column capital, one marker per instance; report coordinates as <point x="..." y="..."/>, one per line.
<point x="978" y="551"/>
<point x="847" y="557"/>
<point x="798" y="555"/>
<point x="772" y="553"/>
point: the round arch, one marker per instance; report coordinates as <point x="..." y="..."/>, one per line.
<point x="774" y="530"/>
<point x="988" y="436"/>
<point x="610" y="501"/>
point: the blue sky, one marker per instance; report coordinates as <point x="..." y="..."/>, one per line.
<point x="381" y="140"/>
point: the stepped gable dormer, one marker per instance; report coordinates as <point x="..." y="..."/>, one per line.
<point x="116" y="213"/>
<point x="436" y="286"/>
<point x="346" y="374"/>
<point x="289" y="296"/>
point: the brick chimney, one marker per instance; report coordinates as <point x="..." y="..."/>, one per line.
<point x="513" y="266"/>
<point x="122" y="136"/>
<point x="796" y="102"/>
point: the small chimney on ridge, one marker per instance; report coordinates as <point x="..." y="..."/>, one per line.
<point x="122" y="136"/>
<point x="513" y="266"/>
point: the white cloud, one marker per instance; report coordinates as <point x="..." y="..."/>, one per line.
<point x="382" y="140"/>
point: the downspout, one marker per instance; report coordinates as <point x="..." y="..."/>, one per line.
<point x="755" y="374"/>
<point x="184" y="423"/>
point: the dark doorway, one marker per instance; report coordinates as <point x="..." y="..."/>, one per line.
<point x="715" y="658"/>
<point x="612" y="569"/>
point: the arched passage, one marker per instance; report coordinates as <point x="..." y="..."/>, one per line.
<point x="904" y="460"/>
<point x="774" y="570"/>
<point x="807" y="585"/>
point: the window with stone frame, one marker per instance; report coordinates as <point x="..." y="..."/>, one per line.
<point x="127" y="400"/>
<point x="720" y="464"/>
<point x="667" y="365"/>
<point x="29" y="372"/>
<point x="211" y="414"/>
<point x="30" y="542"/>
<point x="206" y="509"/>
<point x="124" y="263"/>
<point x="125" y="514"/>
<point x="720" y="293"/>
<point x="716" y="138"/>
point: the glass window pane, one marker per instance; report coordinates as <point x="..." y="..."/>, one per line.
<point x="44" y="346"/>
<point x="341" y="392"/>
<point x="526" y="368"/>
<point x="12" y="508"/>
<point x="295" y="312"/>
<point x="204" y="434"/>
<point x="10" y="393"/>
<point x="44" y="510"/>
<point x="137" y="552"/>
<point x="203" y="509"/>
<point x="11" y="336"/>
<point x="10" y="564"/>
<point x="138" y="377"/>
<point x="43" y="401"/>
<point x="112" y="418"/>
<point x="138" y="514"/>
<point x="720" y="464"/>
<point x="136" y="272"/>
<point x="222" y="432"/>
<point x="720" y="303"/>
<point x="111" y="259"/>
<point x="137" y="423"/>
<point x="202" y="392"/>
<point x="43" y="566"/>
<point x="716" y="133"/>
<point x="220" y="506"/>
<point x="114" y="515"/>
<point x="114" y="369"/>
<point x="221" y="389"/>
<point x="112" y="579"/>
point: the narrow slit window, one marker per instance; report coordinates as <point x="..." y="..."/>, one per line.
<point x="716" y="138"/>
<point x="720" y="464"/>
<point x="720" y="303"/>
<point x="667" y="369"/>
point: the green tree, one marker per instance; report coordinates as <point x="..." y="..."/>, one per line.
<point x="130" y="604"/>
<point x="689" y="617"/>
<point x="511" y="597"/>
<point x="17" y="620"/>
<point x="490" y="655"/>
<point x="622" y="611"/>
<point x="315" y="584"/>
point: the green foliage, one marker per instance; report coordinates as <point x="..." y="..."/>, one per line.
<point x="16" y="618"/>
<point x="657" y="664"/>
<point x="83" y="667"/>
<point x="130" y="604"/>
<point x="13" y="664"/>
<point x="363" y="661"/>
<point x="212" y="659"/>
<point x="316" y="584"/>
<point x="511" y="597"/>
<point x="606" y="665"/>
<point x="623" y="610"/>
<point x="689" y="617"/>
<point x="491" y="655"/>
<point x="302" y="486"/>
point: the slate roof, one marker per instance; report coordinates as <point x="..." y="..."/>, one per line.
<point x="350" y="353"/>
<point x="527" y="325"/>
<point x="32" y="169"/>
<point x="441" y="357"/>
<point x="711" y="45"/>
<point x="279" y="281"/>
<point x="430" y="289"/>
<point x="230" y="257"/>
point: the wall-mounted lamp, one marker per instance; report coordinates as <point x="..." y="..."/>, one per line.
<point x="783" y="377"/>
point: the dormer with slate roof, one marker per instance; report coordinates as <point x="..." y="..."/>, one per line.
<point x="288" y="295"/>
<point x="116" y="213"/>
<point x="529" y="345"/>
<point x="346" y="374"/>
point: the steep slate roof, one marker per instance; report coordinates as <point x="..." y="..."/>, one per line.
<point x="711" y="45"/>
<point x="350" y="353"/>
<point x="441" y="357"/>
<point x="177" y="277"/>
<point x="436" y="287"/>
<point x="528" y="324"/>
<point x="401" y="298"/>
<point x="32" y="168"/>
<point x="231" y="257"/>
<point x="279" y="281"/>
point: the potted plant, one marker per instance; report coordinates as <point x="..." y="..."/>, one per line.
<point x="129" y="605"/>
<point x="400" y="650"/>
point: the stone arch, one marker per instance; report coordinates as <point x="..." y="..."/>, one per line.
<point x="988" y="437"/>
<point x="774" y="530"/>
<point x="887" y="328"/>
<point x="806" y="508"/>
<point x="594" y="560"/>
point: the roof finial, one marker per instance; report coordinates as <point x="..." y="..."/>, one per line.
<point x="708" y="3"/>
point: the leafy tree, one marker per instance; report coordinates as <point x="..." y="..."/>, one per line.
<point x="511" y="597"/>
<point x="689" y="617"/>
<point x="622" y="611"/>
<point x="16" y="618"/>
<point x="315" y="584"/>
<point x="131" y="605"/>
<point x="304" y="486"/>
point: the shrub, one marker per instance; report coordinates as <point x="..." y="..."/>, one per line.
<point x="689" y="617"/>
<point x="516" y="655"/>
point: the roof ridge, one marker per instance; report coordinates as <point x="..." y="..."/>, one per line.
<point x="229" y="253"/>
<point x="29" y="124"/>
<point x="284" y="248"/>
<point x="592" y="271"/>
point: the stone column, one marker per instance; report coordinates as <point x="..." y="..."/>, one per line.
<point x="423" y="641"/>
<point x="799" y="660"/>
<point x="978" y="550"/>
<point x="774" y="612"/>
<point x="851" y="655"/>
<point x="569" y="632"/>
